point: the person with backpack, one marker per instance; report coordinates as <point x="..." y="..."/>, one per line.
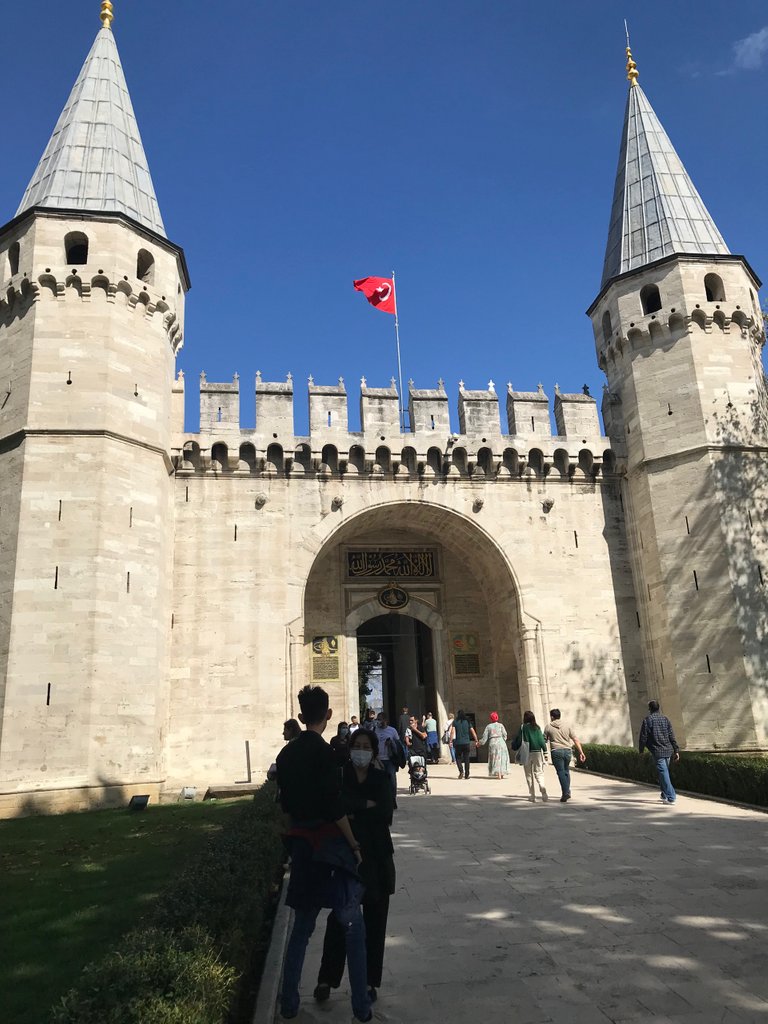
<point x="531" y="738"/>
<point x="462" y="733"/>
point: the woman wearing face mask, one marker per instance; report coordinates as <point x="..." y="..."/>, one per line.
<point x="368" y="801"/>
<point x="340" y="744"/>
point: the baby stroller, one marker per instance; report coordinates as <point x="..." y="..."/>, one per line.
<point x="418" y="774"/>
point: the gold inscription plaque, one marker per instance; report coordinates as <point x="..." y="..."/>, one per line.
<point x="325" y="659"/>
<point x="391" y="564"/>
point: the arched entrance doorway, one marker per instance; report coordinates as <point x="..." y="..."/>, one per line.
<point x="404" y="674"/>
<point x="405" y="561"/>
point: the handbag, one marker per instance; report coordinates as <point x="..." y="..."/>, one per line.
<point x="522" y="748"/>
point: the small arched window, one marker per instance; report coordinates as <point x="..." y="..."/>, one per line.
<point x="330" y="457"/>
<point x="607" y="327"/>
<point x="13" y="258"/>
<point x="713" y="288"/>
<point x="76" y="246"/>
<point x="650" y="299"/>
<point x="275" y="456"/>
<point x="145" y="267"/>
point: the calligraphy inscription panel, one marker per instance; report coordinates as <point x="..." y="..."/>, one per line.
<point x="391" y="565"/>
<point x="466" y="664"/>
<point x="325" y="659"/>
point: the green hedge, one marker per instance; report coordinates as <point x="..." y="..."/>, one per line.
<point x="738" y="777"/>
<point x="196" y="958"/>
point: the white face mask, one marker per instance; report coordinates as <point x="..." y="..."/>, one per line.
<point x="361" y="758"/>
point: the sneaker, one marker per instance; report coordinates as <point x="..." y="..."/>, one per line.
<point x="544" y="795"/>
<point x="532" y="799"/>
<point x="322" y="992"/>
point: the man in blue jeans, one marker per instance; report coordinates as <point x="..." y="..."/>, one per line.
<point x="324" y="854"/>
<point x="658" y="737"/>
<point x="562" y="740"/>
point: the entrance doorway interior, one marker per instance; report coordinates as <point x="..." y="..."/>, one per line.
<point x="407" y="676"/>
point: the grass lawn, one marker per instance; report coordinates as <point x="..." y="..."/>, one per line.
<point x="72" y="884"/>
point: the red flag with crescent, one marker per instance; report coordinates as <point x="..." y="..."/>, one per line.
<point x="380" y="292"/>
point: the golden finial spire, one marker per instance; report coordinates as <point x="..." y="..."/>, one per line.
<point x="632" y="73"/>
<point x="106" y="14"/>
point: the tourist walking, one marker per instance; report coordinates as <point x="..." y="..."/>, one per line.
<point x="462" y="733"/>
<point x="340" y="744"/>
<point x="447" y="736"/>
<point x="367" y="799"/>
<point x="291" y="729"/>
<point x="531" y="734"/>
<point x="389" y="748"/>
<point x="403" y="722"/>
<point x="433" y="740"/>
<point x="658" y="737"/>
<point x="495" y="735"/>
<point x="562" y="740"/>
<point x="369" y="722"/>
<point x="325" y="855"/>
<point x="416" y="739"/>
<point x="354" y="725"/>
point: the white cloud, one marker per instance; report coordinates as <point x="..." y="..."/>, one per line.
<point x="749" y="53"/>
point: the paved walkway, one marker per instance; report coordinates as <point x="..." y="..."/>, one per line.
<point x="613" y="907"/>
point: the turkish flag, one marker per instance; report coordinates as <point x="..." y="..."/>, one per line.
<point x="380" y="292"/>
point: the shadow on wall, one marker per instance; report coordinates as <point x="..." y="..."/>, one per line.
<point x="103" y="795"/>
<point x="596" y="691"/>
<point x="741" y="480"/>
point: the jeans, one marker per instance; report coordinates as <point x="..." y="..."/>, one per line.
<point x="303" y="926"/>
<point x="561" y="759"/>
<point x="452" y="752"/>
<point x="391" y="769"/>
<point x="667" y="790"/>
<point x="462" y="759"/>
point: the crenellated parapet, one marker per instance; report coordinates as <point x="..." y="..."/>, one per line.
<point x="419" y="444"/>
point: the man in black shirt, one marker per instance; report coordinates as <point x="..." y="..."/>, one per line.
<point x="310" y="793"/>
<point x="403" y="723"/>
<point x="416" y="739"/>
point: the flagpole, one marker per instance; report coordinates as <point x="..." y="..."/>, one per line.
<point x="399" y="365"/>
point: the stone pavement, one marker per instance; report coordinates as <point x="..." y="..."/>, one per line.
<point x="613" y="907"/>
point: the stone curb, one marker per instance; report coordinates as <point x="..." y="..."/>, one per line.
<point x="265" y="1011"/>
<point x="682" y="792"/>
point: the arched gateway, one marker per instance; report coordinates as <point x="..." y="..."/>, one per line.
<point x="434" y="595"/>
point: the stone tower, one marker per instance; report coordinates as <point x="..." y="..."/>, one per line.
<point x="679" y="333"/>
<point x="90" y="320"/>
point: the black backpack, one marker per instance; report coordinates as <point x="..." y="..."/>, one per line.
<point x="396" y="752"/>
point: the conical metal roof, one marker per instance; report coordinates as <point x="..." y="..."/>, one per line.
<point x="95" y="159"/>
<point x="656" y="209"/>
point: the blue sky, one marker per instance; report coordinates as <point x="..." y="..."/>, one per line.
<point x="471" y="146"/>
